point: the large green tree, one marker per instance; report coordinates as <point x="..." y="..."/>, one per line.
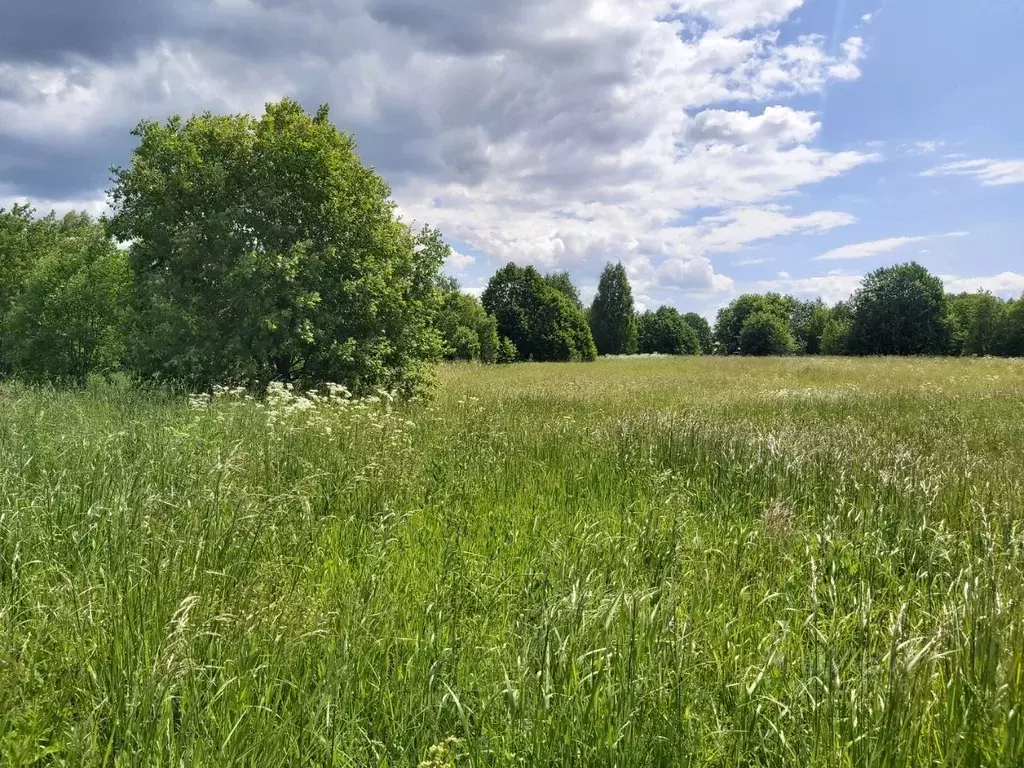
<point x="702" y="328"/>
<point x="612" y="316"/>
<point x="467" y="331"/>
<point x="540" y="321"/>
<point x="263" y="249"/>
<point x="731" y="319"/>
<point x="1011" y="330"/>
<point x="20" y="250"/>
<point x="900" y="310"/>
<point x="666" y="332"/>
<point x="25" y="241"/>
<point x="976" y="321"/>
<point x="835" y="337"/>
<point x="562" y="282"/>
<point x="807" y="322"/>
<point x="68" y="318"/>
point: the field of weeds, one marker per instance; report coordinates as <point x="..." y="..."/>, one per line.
<point x="638" y="562"/>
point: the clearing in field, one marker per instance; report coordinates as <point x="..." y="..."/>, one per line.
<point x="694" y="562"/>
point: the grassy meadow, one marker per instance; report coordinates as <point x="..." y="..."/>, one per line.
<point x="638" y="562"/>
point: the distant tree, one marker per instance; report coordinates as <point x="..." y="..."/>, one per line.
<point x="562" y="282"/>
<point x="540" y="321"/>
<point x="807" y="323"/>
<point x="731" y="319"/>
<point x="562" y="333"/>
<point x="666" y="332"/>
<point x="507" y="352"/>
<point x="702" y="328"/>
<point x="487" y="333"/>
<point x="467" y="331"/>
<point x="1010" y="337"/>
<point x="836" y="334"/>
<point x="900" y="310"/>
<point x="265" y="250"/>
<point x="765" y="333"/>
<point x="69" y="318"/>
<point x="612" y="316"/>
<point x="975" y="320"/>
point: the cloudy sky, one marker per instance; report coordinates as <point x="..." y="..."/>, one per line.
<point x="713" y="146"/>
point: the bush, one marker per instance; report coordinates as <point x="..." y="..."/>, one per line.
<point x="765" y="333"/>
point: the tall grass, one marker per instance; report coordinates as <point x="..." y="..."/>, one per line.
<point x="632" y="563"/>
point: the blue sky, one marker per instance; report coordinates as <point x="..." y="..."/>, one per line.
<point x="713" y="146"/>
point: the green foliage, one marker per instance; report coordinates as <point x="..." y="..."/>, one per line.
<point x="612" y="316"/>
<point x="836" y="336"/>
<point x="467" y="331"/>
<point x="1010" y="337"/>
<point x="765" y="333"/>
<point x="702" y="328"/>
<point x="562" y="333"/>
<point x="807" y="321"/>
<point x="900" y="310"/>
<point x="507" y="352"/>
<point x="540" y="321"/>
<point x="731" y="319"/>
<point x="562" y="282"/>
<point x="25" y="241"/>
<point x="21" y="247"/>
<point x="67" y="317"/>
<point x="666" y="332"/>
<point x="487" y="333"/>
<point x="976" y="322"/>
<point x="264" y="250"/>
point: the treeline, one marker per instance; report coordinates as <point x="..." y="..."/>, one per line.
<point x="524" y="315"/>
<point x="243" y="250"/>
<point x="899" y="310"/>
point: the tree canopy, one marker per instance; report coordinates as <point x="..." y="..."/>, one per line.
<point x="900" y="310"/>
<point x="612" y="316"/>
<point x="765" y="333"/>
<point x="731" y="319"/>
<point x="562" y="282"/>
<point x="702" y="328"/>
<point x="467" y="331"/>
<point x="540" y="321"/>
<point x="263" y="249"/>
<point x="67" y="320"/>
<point x="666" y="332"/>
